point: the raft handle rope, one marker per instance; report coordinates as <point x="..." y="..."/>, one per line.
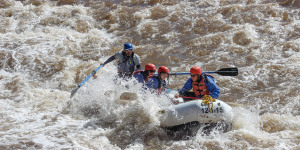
<point x="207" y="100"/>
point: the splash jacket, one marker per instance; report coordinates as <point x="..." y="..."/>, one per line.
<point x="156" y="83"/>
<point x="204" y="86"/>
<point x="126" y="64"/>
<point x="141" y="76"/>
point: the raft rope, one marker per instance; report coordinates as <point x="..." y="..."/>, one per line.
<point x="207" y="100"/>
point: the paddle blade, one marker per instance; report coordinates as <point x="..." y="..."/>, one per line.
<point x="74" y="91"/>
<point x="228" y="72"/>
<point x="235" y="104"/>
<point x="128" y="96"/>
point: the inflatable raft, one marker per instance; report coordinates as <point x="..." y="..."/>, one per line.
<point x="195" y="111"/>
<point x="189" y="112"/>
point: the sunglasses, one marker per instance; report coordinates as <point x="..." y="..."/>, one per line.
<point x="164" y="72"/>
<point x="151" y="71"/>
<point x="193" y="75"/>
<point x="128" y="49"/>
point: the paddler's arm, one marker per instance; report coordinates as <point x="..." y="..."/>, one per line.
<point x="139" y="77"/>
<point x="110" y="59"/>
<point x="212" y="87"/>
<point x="187" y="86"/>
<point x="138" y="67"/>
<point x="137" y="62"/>
<point x="117" y="55"/>
<point x="152" y="83"/>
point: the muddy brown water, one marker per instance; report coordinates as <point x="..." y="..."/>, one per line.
<point x="47" y="48"/>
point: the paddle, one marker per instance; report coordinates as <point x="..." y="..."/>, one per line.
<point x="223" y="72"/>
<point x="229" y="103"/>
<point x="74" y="92"/>
<point x="128" y="96"/>
<point x="92" y="74"/>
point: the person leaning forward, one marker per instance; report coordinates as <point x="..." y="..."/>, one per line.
<point x="158" y="83"/>
<point x="143" y="76"/>
<point x="201" y="83"/>
<point x="128" y="61"/>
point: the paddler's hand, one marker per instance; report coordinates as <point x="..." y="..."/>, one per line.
<point x="175" y="101"/>
<point x="176" y="95"/>
<point x="102" y="64"/>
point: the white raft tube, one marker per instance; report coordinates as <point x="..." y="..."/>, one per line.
<point x="195" y="111"/>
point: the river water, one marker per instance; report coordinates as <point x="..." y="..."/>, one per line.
<point x="47" y="48"/>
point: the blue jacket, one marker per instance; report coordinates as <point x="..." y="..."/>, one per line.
<point x="140" y="77"/>
<point x="153" y="83"/>
<point x="210" y="84"/>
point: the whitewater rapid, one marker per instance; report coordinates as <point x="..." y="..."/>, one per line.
<point x="47" y="48"/>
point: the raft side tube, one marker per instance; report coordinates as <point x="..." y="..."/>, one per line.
<point x="195" y="111"/>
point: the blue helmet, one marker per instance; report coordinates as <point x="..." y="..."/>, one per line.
<point x="128" y="46"/>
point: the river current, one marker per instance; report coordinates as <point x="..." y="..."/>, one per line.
<point x="48" y="47"/>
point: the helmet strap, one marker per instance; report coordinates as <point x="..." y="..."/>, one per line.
<point x="199" y="78"/>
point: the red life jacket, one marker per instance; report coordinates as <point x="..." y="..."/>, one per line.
<point x="199" y="86"/>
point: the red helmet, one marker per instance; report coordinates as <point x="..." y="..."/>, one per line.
<point x="195" y="70"/>
<point x="150" y="67"/>
<point x="163" y="69"/>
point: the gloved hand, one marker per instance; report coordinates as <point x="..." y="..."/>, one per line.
<point x="95" y="77"/>
<point x="176" y="95"/>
